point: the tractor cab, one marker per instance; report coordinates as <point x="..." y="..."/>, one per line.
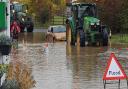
<point x="82" y="10"/>
<point x="18" y="7"/>
<point x="19" y="13"/>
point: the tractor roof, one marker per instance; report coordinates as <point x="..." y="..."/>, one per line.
<point x="83" y="4"/>
<point x="16" y="3"/>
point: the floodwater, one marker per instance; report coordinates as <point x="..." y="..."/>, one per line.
<point x="61" y="66"/>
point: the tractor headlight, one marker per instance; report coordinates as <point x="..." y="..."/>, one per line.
<point x="92" y="23"/>
<point x="26" y="11"/>
<point x="22" y="19"/>
<point x="94" y="26"/>
<point x="13" y="11"/>
<point x="98" y="23"/>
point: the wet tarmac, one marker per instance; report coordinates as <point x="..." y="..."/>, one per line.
<point x="62" y="66"/>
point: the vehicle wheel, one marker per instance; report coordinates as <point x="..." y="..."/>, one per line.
<point x="73" y="41"/>
<point x="105" y="38"/>
<point x="30" y="29"/>
<point x="22" y="29"/>
<point x="105" y="42"/>
<point x="82" y="38"/>
<point x="69" y="36"/>
<point x="78" y="38"/>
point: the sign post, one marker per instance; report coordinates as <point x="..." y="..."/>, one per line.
<point x="113" y="71"/>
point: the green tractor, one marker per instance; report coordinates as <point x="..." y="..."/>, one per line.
<point x="19" y="13"/>
<point x="84" y="28"/>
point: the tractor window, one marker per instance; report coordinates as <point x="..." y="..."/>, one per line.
<point x="11" y="7"/>
<point x="18" y="8"/>
<point x="25" y="8"/>
<point x="86" y="11"/>
<point x="81" y="10"/>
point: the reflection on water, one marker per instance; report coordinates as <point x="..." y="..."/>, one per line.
<point x="64" y="66"/>
<point x="32" y="37"/>
<point x="88" y="67"/>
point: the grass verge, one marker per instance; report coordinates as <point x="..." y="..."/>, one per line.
<point x="119" y="38"/>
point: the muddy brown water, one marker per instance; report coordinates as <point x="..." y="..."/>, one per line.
<point x="69" y="67"/>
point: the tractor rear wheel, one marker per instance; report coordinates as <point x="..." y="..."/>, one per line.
<point x="69" y="35"/>
<point x="22" y="29"/>
<point x="105" y="42"/>
<point x="78" y="39"/>
<point x="82" y="38"/>
<point x="30" y="29"/>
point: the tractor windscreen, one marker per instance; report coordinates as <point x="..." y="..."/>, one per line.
<point x="86" y="11"/>
<point x="18" y="7"/>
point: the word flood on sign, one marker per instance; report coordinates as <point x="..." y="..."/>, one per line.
<point x="114" y="73"/>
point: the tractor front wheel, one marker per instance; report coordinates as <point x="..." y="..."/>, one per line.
<point x="30" y="29"/>
<point x="69" y="35"/>
<point x="105" y="38"/>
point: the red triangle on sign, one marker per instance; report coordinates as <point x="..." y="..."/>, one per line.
<point x="114" y="70"/>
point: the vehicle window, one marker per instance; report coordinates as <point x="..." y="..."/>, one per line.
<point x="18" y="8"/>
<point x="59" y="29"/>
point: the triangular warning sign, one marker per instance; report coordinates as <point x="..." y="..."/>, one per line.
<point x="114" y="70"/>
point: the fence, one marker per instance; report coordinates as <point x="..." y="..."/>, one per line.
<point x="58" y="20"/>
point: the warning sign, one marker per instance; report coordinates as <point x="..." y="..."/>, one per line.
<point x="114" y="70"/>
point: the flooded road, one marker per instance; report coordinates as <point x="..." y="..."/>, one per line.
<point x="68" y="67"/>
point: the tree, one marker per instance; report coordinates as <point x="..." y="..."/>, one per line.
<point x="43" y="9"/>
<point x="111" y="11"/>
<point x="123" y="16"/>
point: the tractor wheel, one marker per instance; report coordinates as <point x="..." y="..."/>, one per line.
<point x="78" y="38"/>
<point x="72" y="40"/>
<point x="69" y="36"/>
<point x="105" y="38"/>
<point x="22" y="29"/>
<point x="105" y="42"/>
<point x="30" y="29"/>
<point x="82" y="38"/>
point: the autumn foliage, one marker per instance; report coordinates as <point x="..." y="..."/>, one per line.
<point x="111" y="12"/>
